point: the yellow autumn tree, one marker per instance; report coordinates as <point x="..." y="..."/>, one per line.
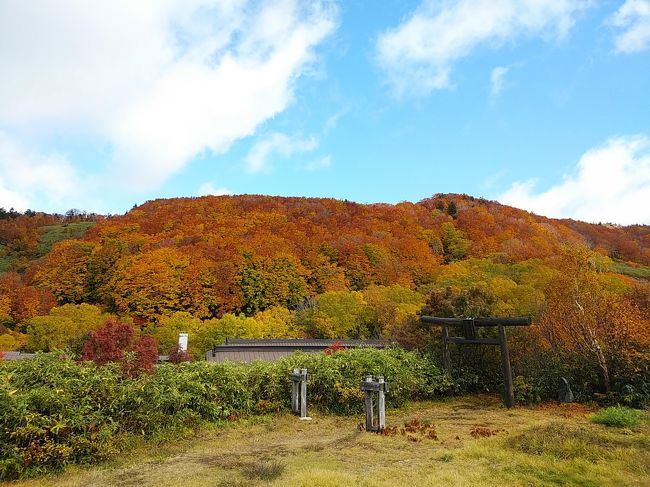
<point x="335" y="314"/>
<point x="277" y="322"/>
<point x="581" y="316"/>
<point x="389" y="307"/>
<point x="215" y="331"/>
<point x="166" y="330"/>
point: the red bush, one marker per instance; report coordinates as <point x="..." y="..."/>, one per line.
<point x="108" y="343"/>
<point x="337" y="346"/>
<point x="144" y="357"/>
<point x="176" y="355"/>
<point x="116" y="342"/>
<point x="2" y="356"/>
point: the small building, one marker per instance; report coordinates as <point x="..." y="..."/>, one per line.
<point x="239" y="350"/>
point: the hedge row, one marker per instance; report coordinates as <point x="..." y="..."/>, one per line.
<point x="55" y="411"/>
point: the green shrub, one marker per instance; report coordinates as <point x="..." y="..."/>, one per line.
<point x="617" y="416"/>
<point x="527" y="391"/>
<point x="55" y="411"/>
<point x="545" y="370"/>
<point x="334" y="380"/>
<point x="632" y="382"/>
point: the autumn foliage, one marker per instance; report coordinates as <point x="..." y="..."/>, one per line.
<point x="337" y="346"/>
<point x="581" y="316"/>
<point x="116" y="342"/>
<point x="177" y="355"/>
<point x="268" y="267"/>
<point x="214" y="255"/>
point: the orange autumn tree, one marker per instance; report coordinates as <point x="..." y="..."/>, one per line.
<point x="20" y="302"/>
<point x="581" y="316"/>
<point x="65" y="271"/>
<point x="150" y="284"/>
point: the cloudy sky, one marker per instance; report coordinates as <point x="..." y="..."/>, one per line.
<point x="541" y="104"/>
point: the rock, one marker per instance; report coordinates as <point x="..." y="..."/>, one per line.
<point x="565" y="395"/>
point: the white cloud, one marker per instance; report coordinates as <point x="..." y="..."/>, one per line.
<point x="418" y="55"/>
<point x="491" y="180"/>
<point x="208" y="189"/>
<point x="317" y="164"/>
<point x="12" y="199"/>
<point x="611" y="184"/>
<point x="633" y="18"/>
<point x="260" y="156"/>
<point x="159" y="82"/>
<point x="333" y="120"/>
<point x="497" y="79"/>
<point x="26" y="176"/>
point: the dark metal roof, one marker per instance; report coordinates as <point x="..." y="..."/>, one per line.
<point x="304" y="342"/>
<point x="240" y="350"/>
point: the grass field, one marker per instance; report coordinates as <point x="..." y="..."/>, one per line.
<point x="467" y="441"/>
<point x="637" y="271"/>
<point x="55" y="233"/>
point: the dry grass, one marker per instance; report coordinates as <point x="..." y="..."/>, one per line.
<point x="471" y="441"/>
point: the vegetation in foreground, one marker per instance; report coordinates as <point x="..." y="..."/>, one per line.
<point x="55" y="412"/>
<point x="465" y="441"/>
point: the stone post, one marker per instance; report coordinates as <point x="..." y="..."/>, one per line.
<point x="299" y="393"/>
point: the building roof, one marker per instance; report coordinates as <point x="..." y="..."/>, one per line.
<point x="17" y="355"/>
<point x="239" y="350"/>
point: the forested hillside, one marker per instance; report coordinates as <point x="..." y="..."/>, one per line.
<point x="257" y="266"/>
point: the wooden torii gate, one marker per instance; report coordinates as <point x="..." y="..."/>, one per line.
<point x="469" y="326"/>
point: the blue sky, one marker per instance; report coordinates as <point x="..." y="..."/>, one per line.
<point x="542" y="104"/>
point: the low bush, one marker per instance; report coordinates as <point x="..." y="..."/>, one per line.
<point x="262" y="470"/>
<point x="542" y="372"/>
<point x="55" y="411"/>
<point x="632" y="384"/>
<point x="527" y="391"/>
<point x="565" y="442"/>
<point x="617" y="416"/>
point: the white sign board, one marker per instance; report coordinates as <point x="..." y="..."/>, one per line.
<point x="182" y="342"/>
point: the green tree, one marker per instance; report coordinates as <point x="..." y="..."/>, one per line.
<point x="451" y="209"/>
<point x="460" y="303"/>
<point x="389" y="307"/>
<point x="454" y="242"/>
<point x="63" y="327"/>
<point x="335" y="314"/>
<point x="279" y="281"/>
